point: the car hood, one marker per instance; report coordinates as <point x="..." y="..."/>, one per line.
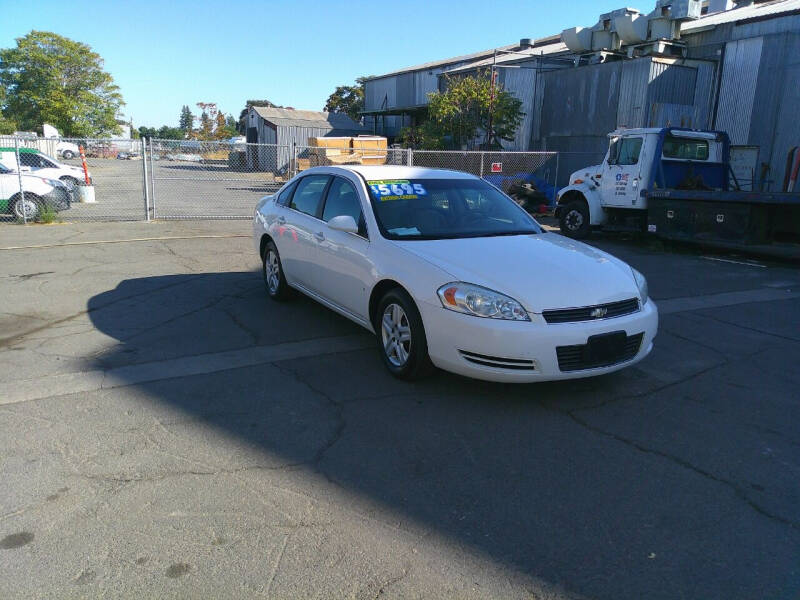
<point x="541" y="271"/>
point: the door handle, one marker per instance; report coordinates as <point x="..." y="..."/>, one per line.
<point x="281" y="220"/>
<point x="320" y="236"/>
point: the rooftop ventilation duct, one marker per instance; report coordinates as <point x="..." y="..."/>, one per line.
<point x="602" y="36"/>
<point x="715" y="6"/>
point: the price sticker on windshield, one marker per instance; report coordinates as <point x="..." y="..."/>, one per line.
<point x="397" y="189"/>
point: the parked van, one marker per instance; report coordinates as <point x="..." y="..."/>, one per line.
<point x="39" y="193"/>
<point x="41" y="165"/>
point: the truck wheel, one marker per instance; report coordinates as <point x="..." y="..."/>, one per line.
<point x="574" y="220"/>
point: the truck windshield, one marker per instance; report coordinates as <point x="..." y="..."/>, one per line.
<point x="429" y="209"/>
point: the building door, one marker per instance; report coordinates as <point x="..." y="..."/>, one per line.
<point x="252" y="138"/>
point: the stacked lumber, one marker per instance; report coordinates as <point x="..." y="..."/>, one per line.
<point x="361" y="150"/>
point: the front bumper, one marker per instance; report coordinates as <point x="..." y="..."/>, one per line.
<point x="59" y="199"/>
<point x="530" y="345"/>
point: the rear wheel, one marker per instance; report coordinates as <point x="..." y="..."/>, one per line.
<point x="401" y="336"/>
<point x="28" y="209"/>
<point x="67" y="154"/>
<point x="272" y="271"/>
<point x="574" y="219"/>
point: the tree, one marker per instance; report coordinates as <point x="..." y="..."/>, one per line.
<point x="186" y="120"/>
<point x="52" y="79"/>
<point x="242" y="124"/>
<point x="348" y="99"/>
<point x="225" y="127"/>
<point x="7" y="126"/>
<point x="165" y="132"/>
<point x="461" y="115"/>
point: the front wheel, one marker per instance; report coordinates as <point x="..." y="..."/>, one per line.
<point x="574" y="220"/>
<point x="28" y="209"/>
<point x="401" y="336"/>
<point x="272" y="271"/>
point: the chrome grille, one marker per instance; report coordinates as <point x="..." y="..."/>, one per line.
<point x="574" y="315"/>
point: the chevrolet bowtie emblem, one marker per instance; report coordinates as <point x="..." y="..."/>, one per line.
<point x="598" y="313"/>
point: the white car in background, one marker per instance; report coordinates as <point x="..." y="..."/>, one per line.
<point x="37" y="163"/>
<point x="448" y="271"/>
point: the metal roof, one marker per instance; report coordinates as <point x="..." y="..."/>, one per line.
<point x="751" y="11"/>
<point x="519" y="55"/>
<point x="459" y="59"/>
<point x="289" y="117"/>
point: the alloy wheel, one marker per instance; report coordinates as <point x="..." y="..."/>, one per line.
<point x="396" y="334"/>
<point x="273" y="270"/>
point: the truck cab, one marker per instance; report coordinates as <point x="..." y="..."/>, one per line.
<point x="613" y="194"/>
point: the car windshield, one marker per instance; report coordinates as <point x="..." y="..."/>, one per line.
<point x="430" y="209"/>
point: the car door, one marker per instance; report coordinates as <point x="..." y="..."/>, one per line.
<point x="344" y="266"/>
<point x="620" y="184"/>
<point x="296" y="243"/>
<point x="9" y="185"/>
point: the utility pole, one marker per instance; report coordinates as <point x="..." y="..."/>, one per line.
<point x="491" y="101"/>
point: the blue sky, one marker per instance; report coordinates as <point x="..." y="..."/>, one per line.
<point x="169" y="53"/>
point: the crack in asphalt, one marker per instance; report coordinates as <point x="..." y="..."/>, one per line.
<point x="7" y="341"/>
<point x="736" y="488"/>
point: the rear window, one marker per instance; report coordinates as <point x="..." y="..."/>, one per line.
<point x="685" y="148"/>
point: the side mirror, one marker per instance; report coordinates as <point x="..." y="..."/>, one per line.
<point x="343" y="223"/>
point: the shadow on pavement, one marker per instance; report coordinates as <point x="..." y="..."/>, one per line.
<point x="510" y="471"/>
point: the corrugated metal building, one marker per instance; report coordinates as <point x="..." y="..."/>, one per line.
<point x="740" y="73"/>
<point x="286" y="127"/>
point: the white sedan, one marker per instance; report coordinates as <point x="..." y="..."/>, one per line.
<point x="448" y="271"/>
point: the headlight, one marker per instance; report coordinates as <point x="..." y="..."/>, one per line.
<point x="480" y="302"/>
<point x="641" y="283"/>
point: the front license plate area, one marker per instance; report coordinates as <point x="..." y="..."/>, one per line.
<point x="605" y="348"/>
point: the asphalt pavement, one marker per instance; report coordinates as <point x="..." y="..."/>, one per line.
<point x="166" y="431"/>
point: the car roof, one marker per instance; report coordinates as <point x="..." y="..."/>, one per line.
<point x="381" y="172"/>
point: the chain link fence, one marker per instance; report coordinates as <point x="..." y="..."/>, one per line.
<point x="119" y="180"/>
<point x="529" y="177"/>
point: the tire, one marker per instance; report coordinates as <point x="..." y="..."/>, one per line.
<point x="574" y="220"/>
<point x="71" y="181"/>
<point x="401" y="336"/>
<point x="272" y="272"/>
<point x="67" y="154"/>
<point x="33" y="207"/>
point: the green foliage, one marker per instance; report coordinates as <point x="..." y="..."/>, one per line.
<point x="47" y="215"/>
<point x="7" y="126"/>
<point x="186" y="119"/>
<point x="462" y="115"/>
<point x="242" y="125"/>
<point x="52" y="79"/>
<point x="164" y="132"/>
<point x="348" y="99"/>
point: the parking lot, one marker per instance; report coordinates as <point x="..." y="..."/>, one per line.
<point x="181" y="189"/>
<point x="167" y="431"/>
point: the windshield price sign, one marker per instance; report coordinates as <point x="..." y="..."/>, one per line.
<point x="397" y="189"/>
